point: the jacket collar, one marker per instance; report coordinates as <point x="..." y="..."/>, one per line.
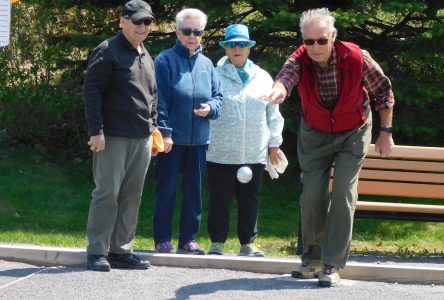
<point x="121" y="37"/>
<point x="183" y="51"/>
<point x="249" y="67"/>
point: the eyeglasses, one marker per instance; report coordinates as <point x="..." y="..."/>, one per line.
<point x="233" y="45"/>
<point x="146" y="22"/>
<point x="188" y="31"/>
<point x="321" y="41"/>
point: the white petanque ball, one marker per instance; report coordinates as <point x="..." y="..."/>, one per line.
<point x="244" y="174"/>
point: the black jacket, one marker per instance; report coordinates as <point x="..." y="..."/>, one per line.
<point x="120" y="91"/>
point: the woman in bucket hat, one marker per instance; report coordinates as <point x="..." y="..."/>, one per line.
<point x="247" y="131"/>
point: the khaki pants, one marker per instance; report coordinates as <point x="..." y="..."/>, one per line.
<point x="119" y="174"/>
<point x="327" y="219"/>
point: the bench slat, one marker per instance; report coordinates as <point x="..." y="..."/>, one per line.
<point x="388" y="164"/>
<point x="412" y="152"/>
<point x="402" y="176"/>
<point x="410" y="172"/>
<point x="401" y="189"/>
<point x="400" y="207"/>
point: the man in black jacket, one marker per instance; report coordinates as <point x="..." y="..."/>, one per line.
<point x="120" y="96"/>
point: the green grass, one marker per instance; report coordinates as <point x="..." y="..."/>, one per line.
<point x="44" y="200"/>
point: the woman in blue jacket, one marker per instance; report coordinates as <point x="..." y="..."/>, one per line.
<point x="188" y="97"/>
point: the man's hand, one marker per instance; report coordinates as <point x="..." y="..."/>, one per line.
<point x="277" y="94"/>
<point x="154" y="152"/>
<point x="203" y="111"/>
<point x="97" y="142"/>
<point x="384" y="144"/>
<point x="167" y="144"/>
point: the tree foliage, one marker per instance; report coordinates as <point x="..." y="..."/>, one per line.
<point x="43" y="68"/>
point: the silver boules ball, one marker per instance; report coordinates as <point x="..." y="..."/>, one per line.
<point x="244" y="174"/>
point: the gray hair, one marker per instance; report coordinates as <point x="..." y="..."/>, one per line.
<point x="191" y="13"/>
<point x="319" y="14"/>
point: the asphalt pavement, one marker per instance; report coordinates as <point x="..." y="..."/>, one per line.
<point x="26" y="281"/>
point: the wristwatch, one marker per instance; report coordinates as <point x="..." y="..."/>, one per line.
<point x="386" y="129"/>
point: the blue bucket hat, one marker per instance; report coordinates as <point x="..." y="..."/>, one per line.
<point x="237" y="33"/>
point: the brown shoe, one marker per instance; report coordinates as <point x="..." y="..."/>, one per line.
<point x="307" y="270"/>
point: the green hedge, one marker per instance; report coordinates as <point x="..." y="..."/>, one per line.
<point x="43" y="69"/>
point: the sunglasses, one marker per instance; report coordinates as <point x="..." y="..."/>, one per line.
<point x="321" y="41"/>
<point x="145" y="22"/>
<point x="233" y="45"/>
<point x="189" y="31"/>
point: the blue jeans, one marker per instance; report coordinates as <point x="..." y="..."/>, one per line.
<point x="188" y="161"/>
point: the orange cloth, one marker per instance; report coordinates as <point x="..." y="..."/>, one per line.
<point x="157" y="140"/>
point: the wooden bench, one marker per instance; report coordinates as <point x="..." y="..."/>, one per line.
<point x="410" y="172"/>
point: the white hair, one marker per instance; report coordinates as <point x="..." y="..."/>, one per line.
<point x="319" y="14"/>
<point x="191" y="13"/>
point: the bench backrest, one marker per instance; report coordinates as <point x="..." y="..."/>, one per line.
<point x="409" y="171"/>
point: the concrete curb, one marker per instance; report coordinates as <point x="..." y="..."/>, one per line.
<point x="50" y="256"/>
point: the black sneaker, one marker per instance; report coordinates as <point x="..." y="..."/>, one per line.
<point x="97" y="263"/>
<point x="127" y="261"/>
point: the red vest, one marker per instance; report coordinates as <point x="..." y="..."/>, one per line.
<point x="351" y="108"/>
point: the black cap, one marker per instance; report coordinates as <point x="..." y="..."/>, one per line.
<point x="136" y="10"/>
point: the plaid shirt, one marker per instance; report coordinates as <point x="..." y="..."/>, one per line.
<point x="373" y="79"/>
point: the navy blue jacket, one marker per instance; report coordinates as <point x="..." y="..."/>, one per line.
<point x="183" y="83"/>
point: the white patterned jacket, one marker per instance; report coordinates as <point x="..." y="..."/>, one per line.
<point x="247" y="125"/>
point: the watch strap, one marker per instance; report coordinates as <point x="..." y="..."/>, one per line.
<point x="386" y="129"/>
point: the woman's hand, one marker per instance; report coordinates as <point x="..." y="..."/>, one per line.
<point x="203" y="111"/>
<point x="275" y="155"/>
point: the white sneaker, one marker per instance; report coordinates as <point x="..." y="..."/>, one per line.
<point x="250" y="250"/>
<point x="216" y="249"/>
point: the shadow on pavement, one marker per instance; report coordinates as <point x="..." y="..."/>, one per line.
<point x="245" y="284"/>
